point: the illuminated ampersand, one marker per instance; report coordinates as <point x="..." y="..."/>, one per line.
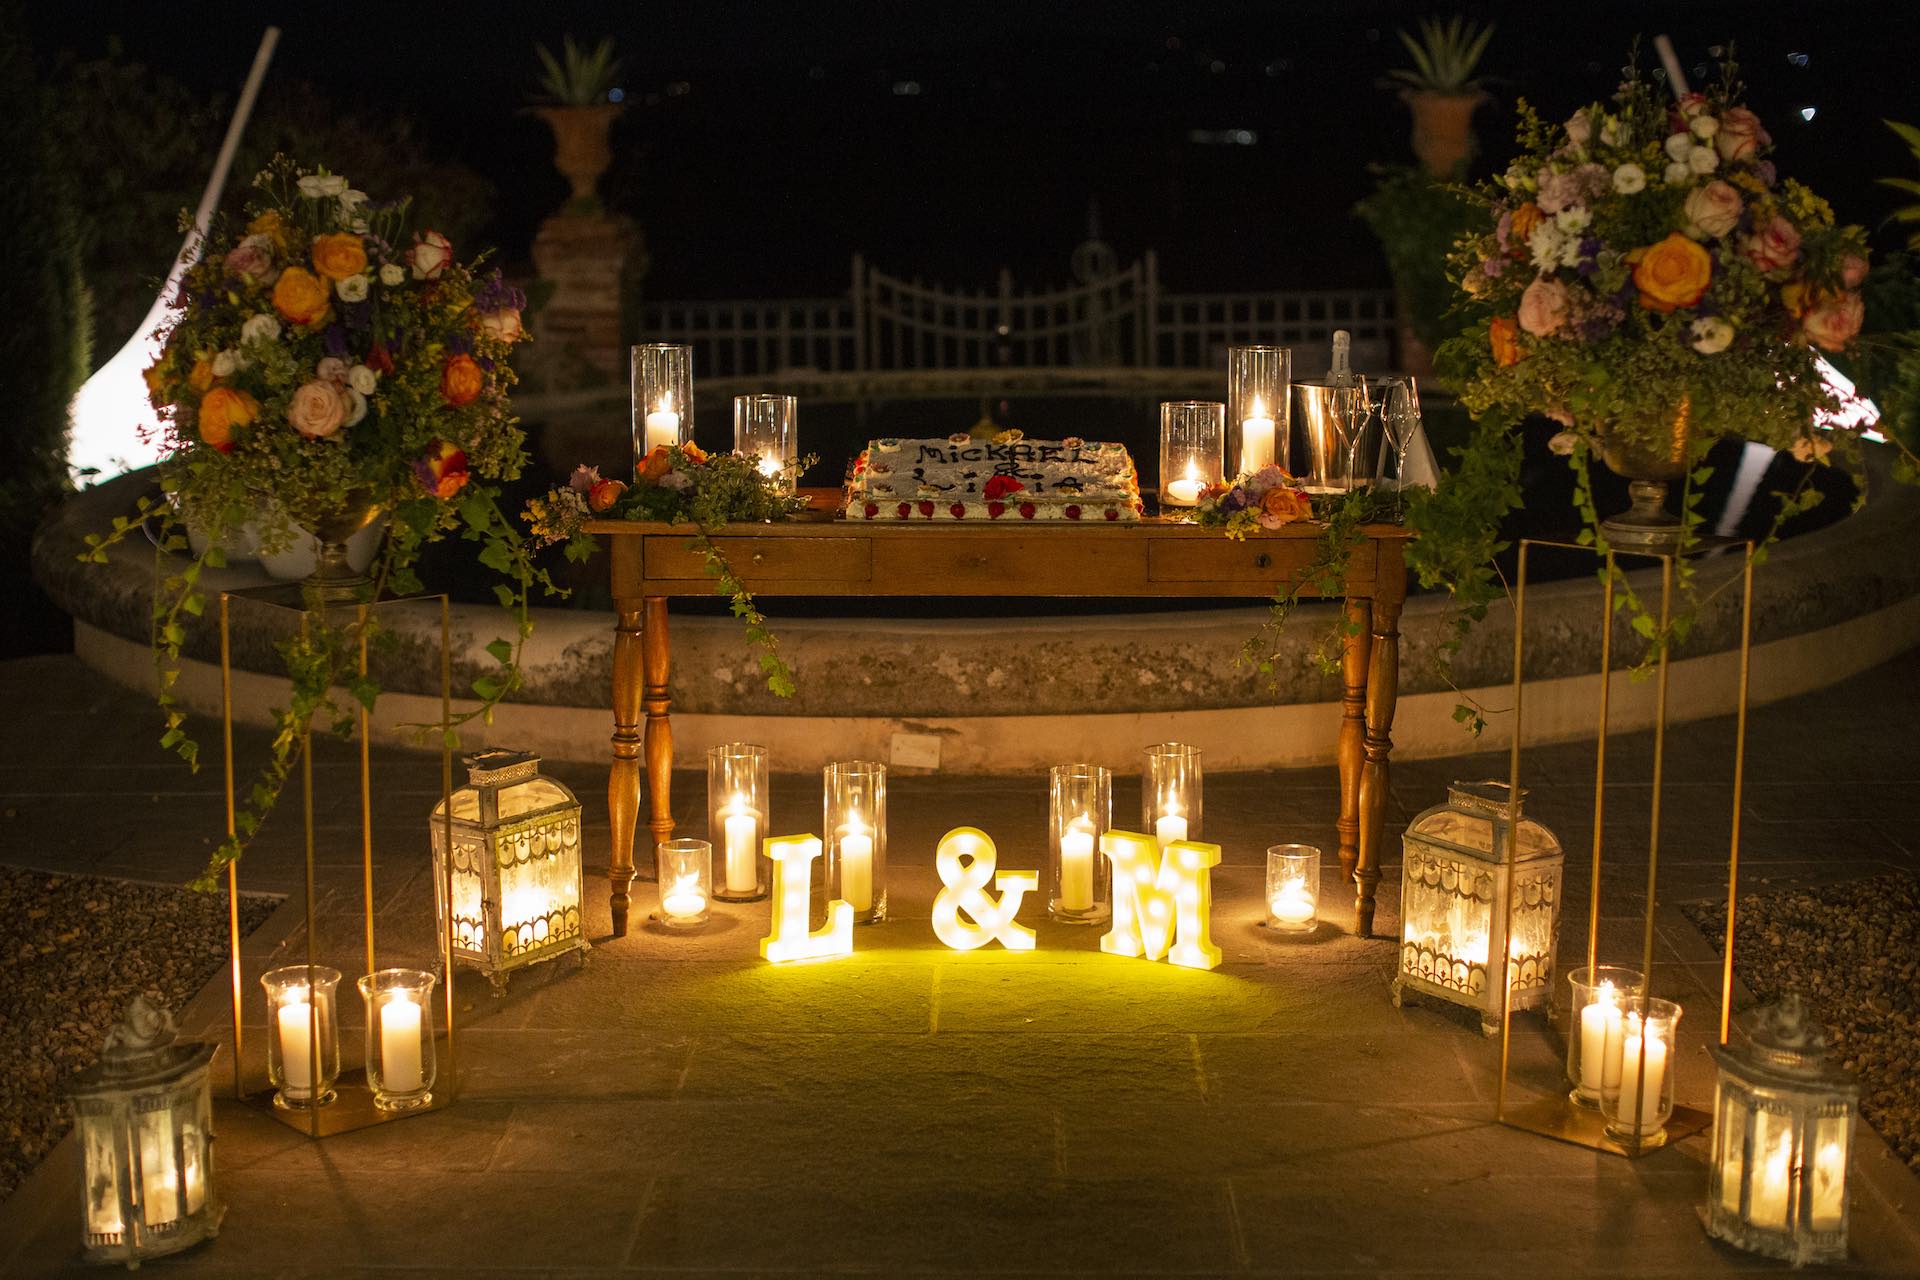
<point x="792" y="895"/>
<point x="1162" y="901"/>
<point x="965" y="860"/>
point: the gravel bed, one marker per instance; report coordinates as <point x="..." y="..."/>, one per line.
<point x="78" y="949"/>
<point x="1854" y="951"/>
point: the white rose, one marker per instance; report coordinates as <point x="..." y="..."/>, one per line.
<point x="1678" y="145"/>
<point x="362" y="379"/>
<point x="321" y="186"/>
<point x="1703" y="160"/>
<point x="260" y="328"/>
<point x="351" y="200"/>
<point x="1704" y="127"/>
<point x="356" y="406"/>
<point x="1613" y="133"/>
<point x="1572" y="220"/>
<point x="226" y="362"/>
<point x="1711" y="335"/>
<point x="353" y="288"/>
<point x="1629" y="179"/>
<point x="393" y="275"/>
<point x="1677" y="174"/>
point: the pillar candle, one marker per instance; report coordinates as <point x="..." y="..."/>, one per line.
<point x="1656" y="1078"/>
<point x="1256" y="440"/>
<point x="296" y="1043"/>
<point x="1171" y="825"/>
<point x="743" y="839"/>
<point x="1829" y="1186"/>
<point x="1076" y="866"/>
<point x="1772" y="1186"/>
<point x="856" y="865"/>
<point x="663" y="427"/>
<point x="159" y="1176"/>
<point x="1600" y="1041"/>
<point x="400" y="1069"/>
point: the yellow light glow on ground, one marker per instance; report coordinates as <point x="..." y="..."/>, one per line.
<point x="1162" y="902"/>
<point x="966" y="859"/>
<point x="793" y="897"/>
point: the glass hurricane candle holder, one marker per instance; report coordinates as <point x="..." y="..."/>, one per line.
<point x="662" y="397"/>
<point x="303" y="1034"/>
<point x="1193" y="443"/>
<point x="1258" y="403"/>
<point x="1783" y="1117"/>
<point x="1080" y="811"/>
<point x="1170" y="792"/>
<point x="684" y="869"/>
<point x="1293" y="887"/>
<point x="855" y="817"/>
<point x="768" y="427"/>
<point x="737" y="820"/>
<point x="400" y="1059"/>
<point x="1639" y="1103"/>
<point x="1595" y="1018"/>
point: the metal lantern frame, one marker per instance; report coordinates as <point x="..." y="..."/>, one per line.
<point x="355" y="1106"/>
<point x="1557" y="1116"/>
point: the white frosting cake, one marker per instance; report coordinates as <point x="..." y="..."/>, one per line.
<point x="1007" y="478"/>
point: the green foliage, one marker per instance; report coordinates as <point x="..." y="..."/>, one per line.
<point x="577" y="78"/>
<point x="1341" y="516"/>
<point x="1909" y="214"/>
<point x="1417" y="220"/>
<point x="1444" y="57"/>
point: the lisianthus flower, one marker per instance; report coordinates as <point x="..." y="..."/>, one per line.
<point x="1629" y="179"/>
<point x="321" y="186"/>
<point x="1710" y="335"/>
<point x="353" y="288"/>
<point x="260" y="328"/>
<point x="362" y="379"/>
<point x="392" y="275"/>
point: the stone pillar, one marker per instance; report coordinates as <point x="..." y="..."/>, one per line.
<point x="585" y="258"/>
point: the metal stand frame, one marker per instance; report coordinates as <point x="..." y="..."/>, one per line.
<point x="1558" y="1117"/>
<point x="354" y="1107"/>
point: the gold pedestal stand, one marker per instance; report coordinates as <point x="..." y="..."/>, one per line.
<point x="354" y="1106"/>
<point x="1558" y="1117"/>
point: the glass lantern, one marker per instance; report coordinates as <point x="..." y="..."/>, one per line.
<point x="1080" y="811"/>
<point x="737" y="820"/>
<point x="662" y="397"/>
<point x="1293" y="888"/>
<point x="1193" y="445"/>
<point x="516" y="886"/>
<point x="856" y="825"/>
<point x="1257" y="404"/>
<point x="1783" y="1116"/>
<point x="767" y="427"/>
<point x="1170" y="792"/>
<point x="684" y="869"/>
<point x="400" y="1057"/>
<point x="303" y="1034"/>
<point x="1639" y="1100"/>
<point x="1465" y="860"/>
<point x="1596" y="1016"/>
<point x="145" y="1119"/>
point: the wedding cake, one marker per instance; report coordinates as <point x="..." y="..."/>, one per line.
<point x="1009" y="477"/>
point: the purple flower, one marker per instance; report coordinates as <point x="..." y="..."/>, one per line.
<point x="497" y="295"/>
<point x="335" y="339"/>
<point x="1235" y="499"/>
<point x="1492" y="267"/>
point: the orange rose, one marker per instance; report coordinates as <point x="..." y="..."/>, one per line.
<point x="1281" y="505"/>
<point x="1672" y="274"/>
<point x="1503" y="335"/>
<point x="223" y="411"/>
<point x="656" y="466"/>
<point x="200" y="377"/>
<point x="461" y="381"/>
<point x="694" y="453"/>
<point x="604" y="494"/>
<point x="1525" y="219"/>
<point x="299" y="297"/>
<point x="270" y="225"/>
<point x="339" y="255"/>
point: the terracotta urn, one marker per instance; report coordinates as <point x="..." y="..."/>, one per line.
<point x="580" y="150"/>
<point x="1442" y="128"/>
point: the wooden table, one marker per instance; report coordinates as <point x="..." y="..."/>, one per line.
<point x="824" y="556"/>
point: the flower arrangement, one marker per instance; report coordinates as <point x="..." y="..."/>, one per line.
<point x="1267" y="499"/>
<point x="676" y="484"/>
<point x="1643" y="265"/>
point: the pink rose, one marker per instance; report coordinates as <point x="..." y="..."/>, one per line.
<point x="1832" y="324"/>
<point x="1543" y="307"/>
<point x="1740" y="135"/>
<point x="252" y="259"/>
<point x="502" y="325"/>
<point x="317" y="410"/>
<point x="1691" y="105"/>
<point x="1853" y="270"/>
<point x="1775" y="246"/>
<point x="431" y="254"/>
<point x="1713" y="210"/>
<point x="1579" y="129"/>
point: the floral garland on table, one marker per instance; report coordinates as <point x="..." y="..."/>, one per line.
<point x="675" y="484"/>
<point x="325" y="360"/>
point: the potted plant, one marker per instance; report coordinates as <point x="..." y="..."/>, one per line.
<point x="1441" y="91"/>
<point x="579" y="101"/>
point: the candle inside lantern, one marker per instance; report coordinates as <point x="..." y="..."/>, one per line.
<point x="856" y="864"/>
<point x="743" y="840"/>
<point x="1772" y="1186"/>
<point x="769" y="467"/>
<point x="1829" y="1186"/>
<point x="1185" y="491"/>
<point x="663" y="424"/>
<point x="683" y="899"/>
<point x="1648" y="1120"/>
<point x="1256" y="438"/>
<point x="1171" y="825"/>
<point x="159" y="1176"/>
<point x="1293" y="904"/>
<point x="1600" y="1032"/>
<point x="400" y="1067"/>
<point x="296" y="1041"/>
<point x="1076" y="866"/>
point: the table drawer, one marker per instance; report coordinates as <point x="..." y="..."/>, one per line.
<point x="1057" y="563"/>
<point x="765" y="559"/>
<point x="1223" y="560"/>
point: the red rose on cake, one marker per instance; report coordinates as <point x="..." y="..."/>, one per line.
<point x="1000" y="486"/>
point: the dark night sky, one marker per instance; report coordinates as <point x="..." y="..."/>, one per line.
<point x="788" y="147"/>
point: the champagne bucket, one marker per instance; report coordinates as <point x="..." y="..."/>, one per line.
<point x="1337" y="433"/>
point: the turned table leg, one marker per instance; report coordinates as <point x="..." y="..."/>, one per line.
<point x="1355" y="650"/>
<point x="1383" y="690"/>
<point x="659" y="730"/>
<point x="623" y="782"/>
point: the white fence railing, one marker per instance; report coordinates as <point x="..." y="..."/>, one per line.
<point x="1118" y="320"/>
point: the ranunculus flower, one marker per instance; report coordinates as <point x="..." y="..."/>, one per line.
<point x="1281" y="506"/>
<point x="227" y="363"/>
<point x="431" y="254"/>
<point x="1834" y="321"/>
<point x="461" y="381"/>
<point x="362" y="379"/>
<point x="1714" y="209"/>
<point x="656" y="466"/>
<point x="1710" y="335"/>
<point x="259" y="328"/>
<point x="353" y="288"/>
<point x="393" y="275"/>
<point x="1775" y="246"/>
<point x="251" y="259"/>
<point x="1629" y="179"/>
<point x="223" y="411"/>
<point x="1853" y="270"/>
<point x="1672" y="274"/>
<point x="331" y="369"/>
<point x="605" y="494"/>
<point x="299" y="297"/>
<point x="1503" y="335"/>
<point x="443" y="470"/>
<point x="1543" y="307"/>
<point x="1677" y="174"/>
<point x="1740" y="135"/>
<point x="503" y="326"/>
<point x="317" y="410"/>
<point x="270" y="225"/>
<point x="320" y="186"/>
<point x="1703" y="160"/>
<point x="339" y="255"/>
